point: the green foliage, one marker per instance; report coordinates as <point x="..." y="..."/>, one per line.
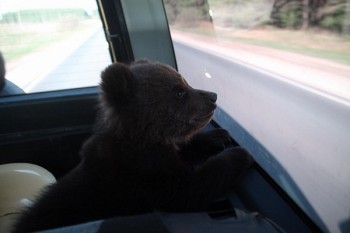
<point x="333" y="22"/>
<point x="329" y="22"/>
<point x="291" y="18"/>
<point x="288" y="15"/>
<point x="325" y="14"/>
<point x="188" y="13"/>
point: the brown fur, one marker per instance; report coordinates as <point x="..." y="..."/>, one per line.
<point x="142" y="154"/>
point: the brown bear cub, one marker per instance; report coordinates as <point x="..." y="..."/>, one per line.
<point x="142" y="155"/>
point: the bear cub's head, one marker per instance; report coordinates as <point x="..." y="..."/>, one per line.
<point x="152" y="102"/>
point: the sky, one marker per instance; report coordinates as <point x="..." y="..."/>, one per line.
<point x="14" y="5"/>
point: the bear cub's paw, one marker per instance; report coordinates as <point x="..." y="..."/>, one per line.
<point x="217" y="140"/>
<point x="239" y="159"/>
<point x="213" y="141"/>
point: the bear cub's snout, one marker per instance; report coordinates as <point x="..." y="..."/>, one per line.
<point x="211" y="95"/>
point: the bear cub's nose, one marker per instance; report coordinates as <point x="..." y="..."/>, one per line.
<point x="213" y="96"/>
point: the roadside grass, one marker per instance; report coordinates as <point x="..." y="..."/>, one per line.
<point x="17" y="41"/>
<point x="337" y="56"/>
<point x="313" y="43"/>
<point x="320" y="44"/>
<point x="17" y="45"/>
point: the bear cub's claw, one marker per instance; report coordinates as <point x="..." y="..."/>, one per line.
<point x="214" y="141"/>
<point x="239" y="158"/>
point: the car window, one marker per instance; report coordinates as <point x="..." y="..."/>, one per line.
<point x="282" y="73"/>
<point x="51" y="45"/>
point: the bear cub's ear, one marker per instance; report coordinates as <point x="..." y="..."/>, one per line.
<point x="117" y="82"/>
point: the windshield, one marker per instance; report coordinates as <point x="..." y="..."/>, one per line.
<point x="282" y="73"/>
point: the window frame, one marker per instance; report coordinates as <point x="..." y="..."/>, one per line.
<point x="47" y="109"/>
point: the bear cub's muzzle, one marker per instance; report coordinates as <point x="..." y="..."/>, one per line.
<point x="211" y="95"/>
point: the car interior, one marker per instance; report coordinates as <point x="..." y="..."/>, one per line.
<point x="47" y="129"/>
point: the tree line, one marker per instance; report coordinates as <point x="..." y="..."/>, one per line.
<point x="328" y="14"/>
<point x="332" y="15"/>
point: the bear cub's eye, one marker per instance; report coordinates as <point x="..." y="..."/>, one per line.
<point x="180" y="94"/>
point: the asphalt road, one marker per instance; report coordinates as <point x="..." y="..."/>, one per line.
<point x="300" y="137"/>
<point x="81" y="68"/>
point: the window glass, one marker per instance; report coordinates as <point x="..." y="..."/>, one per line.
<point x="282" y="73"/>
<point x="51" y="45"/>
